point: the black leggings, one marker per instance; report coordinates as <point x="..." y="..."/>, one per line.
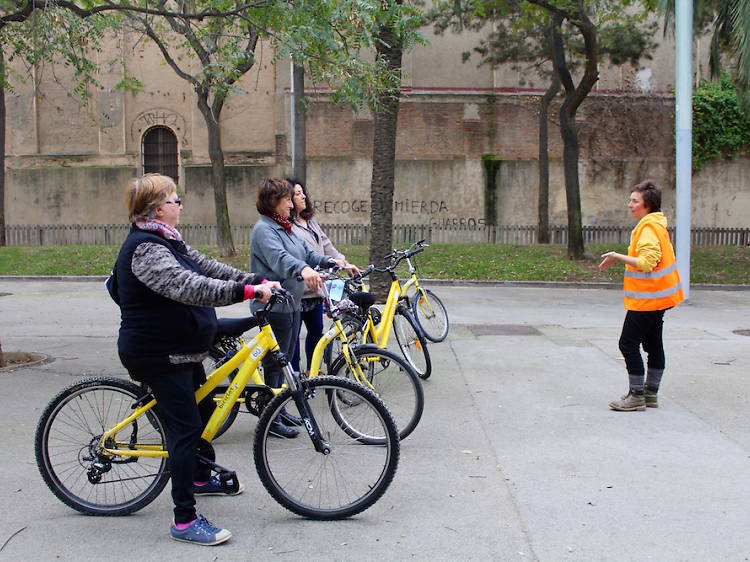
<point x="642" y="328"/>
<point x="183" y="420"/>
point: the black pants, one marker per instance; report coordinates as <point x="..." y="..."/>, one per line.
<point x="183" y="420"/>
<point x="642" y="328"/>
<point x="313" y="320"/>
<point x="285" y="326"/>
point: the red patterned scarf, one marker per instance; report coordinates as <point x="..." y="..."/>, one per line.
<point x="285" y="223"/>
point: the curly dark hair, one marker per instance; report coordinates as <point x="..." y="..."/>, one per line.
<point x="309" y="210"/>
<point x="270" y="192"/>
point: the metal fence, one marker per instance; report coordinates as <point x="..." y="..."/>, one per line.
<point x="357" y="234"/>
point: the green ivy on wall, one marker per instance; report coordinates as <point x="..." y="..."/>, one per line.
<point x="720" y="129"/>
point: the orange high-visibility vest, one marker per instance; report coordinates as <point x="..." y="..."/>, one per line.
<point x="659" y="289"/>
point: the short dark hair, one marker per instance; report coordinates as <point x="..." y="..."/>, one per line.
<point x="309" y="210"/>
<point x="651" y="195"/>
<point x="270" y="192"/>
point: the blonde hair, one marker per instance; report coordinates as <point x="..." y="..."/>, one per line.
<point x="146" y="193"/>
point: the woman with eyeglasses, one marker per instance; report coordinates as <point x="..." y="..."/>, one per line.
<point x="167" y="292"/>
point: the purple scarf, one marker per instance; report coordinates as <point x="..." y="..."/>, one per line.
<point x="168" y="232"/>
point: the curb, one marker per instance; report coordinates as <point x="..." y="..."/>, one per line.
<point x="436" y="282"/>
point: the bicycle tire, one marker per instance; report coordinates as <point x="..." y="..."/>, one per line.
<point x="395" y="381"/>
<point x="66" y="447"/>
<point x="431" y="315"/>
<point x="348" y="480"/>
<point x="412" y="343"/>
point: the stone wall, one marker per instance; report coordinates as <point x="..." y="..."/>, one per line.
<point x="441" y="177"/>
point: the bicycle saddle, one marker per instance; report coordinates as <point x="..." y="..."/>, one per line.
<point x="235" y="327"/>
<point x="362" y="300"/>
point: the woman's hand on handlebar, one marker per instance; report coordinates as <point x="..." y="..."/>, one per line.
<point x="312" y="279"/>
<point x="263" y="291"/>
<point x="352" y="269"/>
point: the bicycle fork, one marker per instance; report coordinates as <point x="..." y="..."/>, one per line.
<point x="298" y="390"/>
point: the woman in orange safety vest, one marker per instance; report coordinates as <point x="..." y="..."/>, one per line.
<point x="651" y="286"/>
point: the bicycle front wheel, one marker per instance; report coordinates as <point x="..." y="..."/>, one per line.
<point x="430" y="314"/>
<point x="394" y="381"/>
<point x="72" y="462"/>
<point x="412" y="343"/>
<point x="353" y="475"/>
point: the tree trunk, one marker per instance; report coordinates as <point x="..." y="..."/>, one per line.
<point x="571" y="153"/>
<point x="218" y="180"/>
<point x="2" y="154"/>
<point x="299" y="166"/>
<point x="574" y="96"/>
<point x="383" y="164"/>
<point x="543" y="236"/>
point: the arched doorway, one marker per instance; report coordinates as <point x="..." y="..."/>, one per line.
<point x="160" y="152"/>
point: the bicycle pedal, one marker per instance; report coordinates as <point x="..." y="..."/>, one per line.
<point x="229" y="482"/>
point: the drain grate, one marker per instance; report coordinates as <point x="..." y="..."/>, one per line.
<point x="503" y="330"/>
<point x="741" y="332"/>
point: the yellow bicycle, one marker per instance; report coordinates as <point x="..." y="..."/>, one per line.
<point x="388" y="375"/>
<point x="429" y="311"/>
<point x="100" y="444"/>
<point x="371" y="325"/>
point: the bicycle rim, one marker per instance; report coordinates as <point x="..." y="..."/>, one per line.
<point x="413" y="346"/>
<point x="349" y="479"/>
<point x="430" y="314"/>
<point x="394" y="381"/>
<point x="67" y="446"/>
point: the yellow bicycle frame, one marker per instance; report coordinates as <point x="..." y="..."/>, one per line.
<point x="380" y="334"/>
<point x="337" y="331"/>
<point x="249" y="357"/>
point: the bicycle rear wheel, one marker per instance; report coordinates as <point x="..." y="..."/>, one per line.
<point x="70" y="458"/>
<point x="429" y="312"/>
<point x="344" y="482"/>
<point x="394" y="380"/>
<point x="412" y="343"/>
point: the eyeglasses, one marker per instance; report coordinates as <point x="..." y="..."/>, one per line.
<point x="175" y="202"/>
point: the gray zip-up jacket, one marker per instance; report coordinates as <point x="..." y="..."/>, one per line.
<point x="278" y="256"/>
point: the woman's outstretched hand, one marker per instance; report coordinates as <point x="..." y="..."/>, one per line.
<point x="608" y="260"/>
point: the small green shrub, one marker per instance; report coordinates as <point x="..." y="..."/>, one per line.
<point x="720" y="129"/>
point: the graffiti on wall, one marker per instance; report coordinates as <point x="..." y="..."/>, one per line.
<point x="435" y="212"/>
<point x="158" y="116"/>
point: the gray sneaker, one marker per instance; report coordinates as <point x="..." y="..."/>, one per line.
<point x="629" y="403"/>
<point x="651" y="399"/>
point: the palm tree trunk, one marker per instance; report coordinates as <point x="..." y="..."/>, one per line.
<point x="383" y="163"/>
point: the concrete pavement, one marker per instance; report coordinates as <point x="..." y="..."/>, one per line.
<point x="517" y="456"/>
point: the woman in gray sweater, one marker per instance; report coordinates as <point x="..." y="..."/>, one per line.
<point x="276" y="254"/>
